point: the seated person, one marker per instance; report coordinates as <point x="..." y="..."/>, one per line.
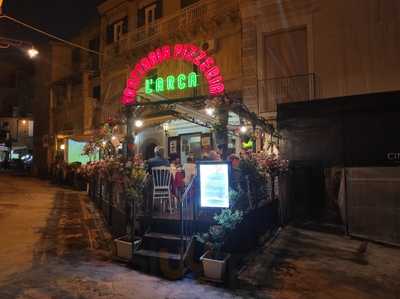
<point x="157" y="160"/>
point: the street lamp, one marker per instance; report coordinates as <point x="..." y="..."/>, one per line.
<point x="32" y="53"/>
<point x="20" y="44"/>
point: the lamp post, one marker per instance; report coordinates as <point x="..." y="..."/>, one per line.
<point x="28" y="47"/>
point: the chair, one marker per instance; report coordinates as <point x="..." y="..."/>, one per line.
<point x="161" y="187"/>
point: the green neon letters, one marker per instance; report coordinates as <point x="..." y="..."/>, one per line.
<point x="171" y="83"/>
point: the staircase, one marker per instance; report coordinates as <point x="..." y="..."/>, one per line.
<point x="163" y="251"/>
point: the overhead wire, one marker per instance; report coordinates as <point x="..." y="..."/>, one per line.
<point x="50" y="35"/>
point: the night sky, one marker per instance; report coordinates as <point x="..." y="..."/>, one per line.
<point x="62" y="18"/>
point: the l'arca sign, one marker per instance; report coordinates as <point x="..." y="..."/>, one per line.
<point x="185" y="52"/>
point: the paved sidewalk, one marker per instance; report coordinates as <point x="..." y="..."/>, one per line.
<point x="54" y="245"/>
<point x="303" y="263"/>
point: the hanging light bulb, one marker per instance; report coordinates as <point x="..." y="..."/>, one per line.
<point x="104" y="143"/>
<point x="139" y="123"/>
<point x="210" y="111"/>
<point x="243" y="129"/>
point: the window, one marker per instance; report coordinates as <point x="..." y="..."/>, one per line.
<point x="96" y="92"/>
<point x="116" y="30"/>
<point x="185" y="3"/>
<point x="94" y="45"/>
<point x="286" y="68"/>
<point x="76" y="58"/>
<point x="149" y="13"/>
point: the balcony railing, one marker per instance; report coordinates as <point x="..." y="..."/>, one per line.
<point x="186" y="20"/>
<point x="276" y="91"/>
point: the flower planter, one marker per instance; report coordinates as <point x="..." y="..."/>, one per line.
<point x="124" y="247"/>
<point x="214" y="269"/>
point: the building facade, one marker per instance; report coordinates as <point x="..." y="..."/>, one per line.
<point x="130" y="30"/>
<point x="317" y="49"/>
<point x="74" y="91"/>
<point x="269" y="52"/>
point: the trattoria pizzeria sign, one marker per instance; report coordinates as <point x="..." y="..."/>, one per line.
<point x="182" y="52"/>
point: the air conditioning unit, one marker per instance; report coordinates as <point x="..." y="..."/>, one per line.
<point x="209" y="45"/>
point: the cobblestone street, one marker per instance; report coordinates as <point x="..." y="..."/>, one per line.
<point x="54" y="245"/>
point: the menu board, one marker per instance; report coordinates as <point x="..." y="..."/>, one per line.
<point x="214" y="185"/>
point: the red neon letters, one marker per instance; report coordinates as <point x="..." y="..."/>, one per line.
<point x="186" y="52"/>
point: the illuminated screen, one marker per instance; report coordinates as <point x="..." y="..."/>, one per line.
<point x="214" y="185"/>
<point x="75" y="149"/>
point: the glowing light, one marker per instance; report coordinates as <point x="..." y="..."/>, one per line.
<point x="210" y="111"/>
<point x="185" y="52"/>
<point x="171" y="83"/>
<point x="165" y="127"/>
<point x="139" y="123"/>
<point x="148" y="89"/>
<point x="192" y="80"/>
<point x="104" y="143"/>
<point x="159" y="85"/>
<point x="62" y="147"/>
<point x="243" y="129"/>
<point x="113" y="138"/>
<point x="32" y="52"/>
<point x="181" y="81"/>
<point x="24" y="122"/>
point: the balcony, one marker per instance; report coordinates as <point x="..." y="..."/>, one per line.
<point x="198" y="17"/>
<point x="282" y="90"/>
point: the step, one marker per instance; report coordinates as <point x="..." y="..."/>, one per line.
<point x="158" y="254"/>
<point x="163" y="242"/>
<point x="164" y="236"/>
<point x="165" y="264"/>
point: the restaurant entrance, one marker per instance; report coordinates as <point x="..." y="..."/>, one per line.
<point x="190" y="147"/>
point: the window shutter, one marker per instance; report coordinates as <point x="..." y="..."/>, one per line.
<point x="159" y="9"/>
<point x="110" y="34"/>
<point x="125" y="25"/>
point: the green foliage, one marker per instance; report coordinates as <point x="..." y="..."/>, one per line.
<point x="227" y="221"/>
<point x="252" y="187"/>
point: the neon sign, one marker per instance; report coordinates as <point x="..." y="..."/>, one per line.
<point x="171" y="83"/>
<point x="185" y="52"/>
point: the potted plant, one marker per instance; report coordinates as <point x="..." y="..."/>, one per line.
<point x="124" y="247"/>
<point x="214" y="259"/>
<point x="132" y="177"/>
